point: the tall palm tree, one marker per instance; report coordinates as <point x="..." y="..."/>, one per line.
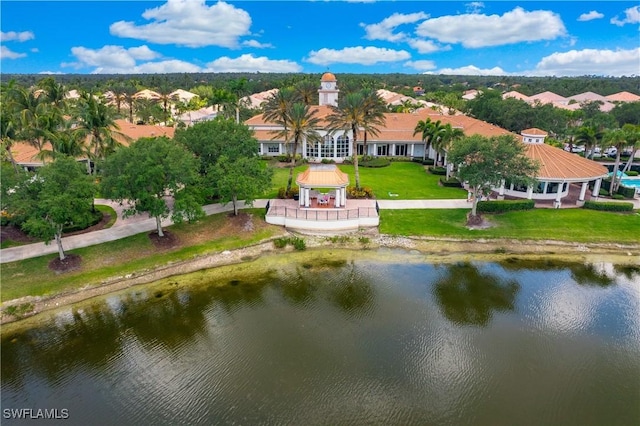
<point x="303" y="125"/>
<point x="96" y="123"/>
<point x="375" y="109"/>
<point x="589" y="135"/>
<point x="448" y="136"/>
<point x="34" y="116"/>
<point x="633" y="142"/>
<point x="129" y="91"/>
<point x="352" y="115"/>
<point x="276" y="109"/>
<point x="307" y="91"/>
<point x="617" y="138"/>
<point x="424" y="127"/>
<point x="7" y="130"/>
<point x="166" y="99"/>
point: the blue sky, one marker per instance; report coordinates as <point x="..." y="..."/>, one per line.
<point x="560" y="38"/>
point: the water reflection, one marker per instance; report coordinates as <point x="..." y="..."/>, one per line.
<point x="468" y="296"/>
<point x="342" y="342"/>
<point x="582" y="273"/>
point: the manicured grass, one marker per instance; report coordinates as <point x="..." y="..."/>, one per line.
<point x="121" y="257"/>
<point x="407" y="179"/>
<point x="575" y="225"/>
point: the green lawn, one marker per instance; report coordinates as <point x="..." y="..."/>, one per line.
<point x="128" y="255"/>
<point x="577" y="225"/>
<point x="407" y="179"/>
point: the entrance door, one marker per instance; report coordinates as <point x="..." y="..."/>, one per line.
<point x="401" y="150"/>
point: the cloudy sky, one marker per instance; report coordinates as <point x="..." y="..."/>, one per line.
<point x="561" y="38"/>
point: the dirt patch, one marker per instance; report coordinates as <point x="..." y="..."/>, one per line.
<point x="13" y="233"/>
<point x="70" y="263"/>
<point x="166" y="242"/>
<point x="478" y="222"/>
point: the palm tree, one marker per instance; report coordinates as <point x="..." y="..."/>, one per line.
<point x="354" y="113"/>
<point x="276" y="109"/>
<point x="166" y="98"/>
<point x="303" y="124"/>
<point x="617" y="138"/>
<point x="307" y="91"/>
<point x="448" y="135"/>
<point x="225" y="102"/>
<point x="633" y="142"/>
<point x="589" y="135"/>
<point x="375" y="110"/>
<point x="96" y="122"/>
<point x="128" y="92"/>
<point x="7" y="132"/>
<point x="424" y="127"/>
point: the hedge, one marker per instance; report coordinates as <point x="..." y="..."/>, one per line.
<point x="501" y="206"/>
<point x="441" y="171"/>
<point x="452" y="183"/>
<point x="376" y="163"/>
<point x="608" y="206"/>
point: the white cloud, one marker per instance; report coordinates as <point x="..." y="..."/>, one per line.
<point x="256" y="44"/>
<point x="357" y="55"/>
<point x="475" y="30"/>
<point x="632" y="16"/>
<point x="14" y="36"/>
<point x="426" y="46"/>
<point x="384" y="29"/>
<point x="6" y="53"/>
<point x="249" y="63"/>
<point x="614" y="63"/>
<point x="590" y="16"/>
<point x="160" y="67"/>
<point x="474" y="6"/>
<point x="112" y="57"/>
<point x="421" y="65"/>
<point x="189" y="23"/>
<point x="471" y="70"/>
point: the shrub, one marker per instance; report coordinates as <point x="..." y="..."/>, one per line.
<point x="626" y="192"/>
<point x="437" y="170"/>
<point x="451" y="182"/>
<point x="632" y="173"/>
<point x="617" y="197"/>
<point x="375" y="162"/>
<point x="283" y="194"/>
<point x="603" y="192"/>
<point x="502" y="206"/>
<point x="298" y="243"/>
<point x="364" y="240"/>
<point x="281" y="242"/>
<point x="608" y="206"/>
<point x="364" y="192"/>
<point x="327" y="161"/>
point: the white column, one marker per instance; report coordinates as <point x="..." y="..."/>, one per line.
<point x="338" y="196"/>
<point x="335" y="150"/>
<point x="583" y="192"/>
<point x="375" y="149"/>
<point x="343" y="194"/>
<point x="304" y="150"/>
<point x="529" y="192"/>
<point x="307" y="193"/>
<point x="411" y="150"/>
<point x="393" y="149"/>
<point x="501" y="190"/>
<point x="557" y="203"/>
<point x="596" y="188"/>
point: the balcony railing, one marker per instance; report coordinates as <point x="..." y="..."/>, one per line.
<point x="322" y="214"/>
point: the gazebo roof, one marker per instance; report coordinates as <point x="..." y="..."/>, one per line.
<point x="558" y="164"/>
<point x="323" y="176"/>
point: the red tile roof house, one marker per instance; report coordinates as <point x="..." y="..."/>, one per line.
<point x="397" y="139"/>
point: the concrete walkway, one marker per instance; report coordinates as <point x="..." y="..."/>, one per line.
<point x="142" y="223"/>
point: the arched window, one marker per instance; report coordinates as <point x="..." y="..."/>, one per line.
<point x="342" y="146"/>
<point x="327" y="147"/>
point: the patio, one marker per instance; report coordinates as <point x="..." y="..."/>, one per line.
<point x="289" y="213"/>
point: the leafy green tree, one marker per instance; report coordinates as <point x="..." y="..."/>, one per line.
<point x="208" y="140"/>
<point x="243" y="178"/>
<point x="149" y="173"/>
<point x="484" y="162"/>
<point x="58" y="195"/>
<point x="627" y="113"/>
<point x="588" y="135"/>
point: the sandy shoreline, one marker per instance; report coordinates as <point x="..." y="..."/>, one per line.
<point x="433" y="249"/>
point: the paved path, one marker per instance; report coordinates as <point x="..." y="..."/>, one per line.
<point x="142" y="223"/>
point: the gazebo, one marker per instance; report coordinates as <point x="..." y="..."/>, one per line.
<point x="323" y="176"/>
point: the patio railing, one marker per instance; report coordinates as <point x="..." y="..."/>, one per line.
<point x="319" y="215"/>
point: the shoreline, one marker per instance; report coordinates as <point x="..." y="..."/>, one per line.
<point x="436" y="250"/>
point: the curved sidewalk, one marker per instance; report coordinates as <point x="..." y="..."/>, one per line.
<point x="137" y="224"/>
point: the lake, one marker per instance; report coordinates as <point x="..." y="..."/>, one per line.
<point x="341" y="339"/>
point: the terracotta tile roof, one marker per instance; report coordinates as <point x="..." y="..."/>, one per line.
<point x="25" y="154"/>
<point x="534" y="131"/>
<point x="324" y="175"/>
<point x="623" y="97"/>
<point x="514" y="94"/>
<point x="547" y="98"/>
<point x="558" y="164"/>
<point x="587" y="96"/>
